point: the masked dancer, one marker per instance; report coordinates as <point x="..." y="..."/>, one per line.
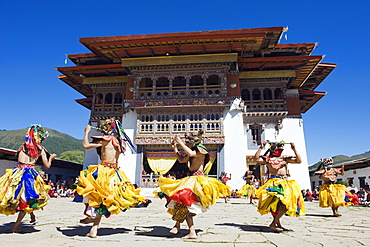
<point x="332" y="194"/>
<point x="248" y="190"/>
<point x="105" y="188"/>
<point x="279" y="195"/>
<point x="22" y="189"/>
<point x="224" y="179"/>
<point x="192" y="194"/>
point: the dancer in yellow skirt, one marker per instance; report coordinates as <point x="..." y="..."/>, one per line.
<point x="22" y="189"/>
<point x="332" y="194"/>
<point x="248" y="190"/>
<point x="193" y="194"/>
<point x="279" y="195"/>
<point x="105" y="188"/>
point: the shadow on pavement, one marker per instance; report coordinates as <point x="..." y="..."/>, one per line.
<point x="71" y="231"/>
<point x="160" y="231"/>
<point x="249" y="228"/>
<point x="24" y="228"/>
<point x="320" y="215"/>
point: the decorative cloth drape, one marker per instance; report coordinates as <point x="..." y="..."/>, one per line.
<point x="208" y="167"/>
<point x="161" y="161"/>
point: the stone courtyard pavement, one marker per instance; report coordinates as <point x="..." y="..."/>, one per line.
<point x="235" y="223"/>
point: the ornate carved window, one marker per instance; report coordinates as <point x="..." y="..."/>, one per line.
<point x="267" y="95"/>
<point x="213" y="80"/>
<point x="256" y="94"/>
<point x="118" y="98"/>
<point x="279" y="93"/>
<point x="256" y="132"/>
<point x="245" y="95"/>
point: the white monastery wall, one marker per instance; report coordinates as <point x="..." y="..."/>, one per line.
<point x="235" y="147"/>
<point x="91" y="156"/>
<point x="127" y="161"/>
<point x="292" y="131"/>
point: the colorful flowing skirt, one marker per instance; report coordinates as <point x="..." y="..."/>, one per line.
<point x="191" y="195"/>
<point x="247" y="190"/>
<point x="334" y="195"/>
<point x="22" y="189"/>
<point x="107" y="189"/>
<point x="280" y="191"/>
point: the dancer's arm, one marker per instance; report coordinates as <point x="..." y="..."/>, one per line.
<point x="341" y="170"/>
<point x="85" y="142"/>
<point x="257" y="156"/>
<point x="45" y="160"/>
<point x="179" y="157"/>
<point x="297" y="159"/>
<point x="191" y="153"/>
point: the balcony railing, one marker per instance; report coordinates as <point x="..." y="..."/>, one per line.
<point x="180" y="92"/>
<point x="175" y="127"/>
<point x="106" y="110"/>
<point x="265" y="105"/>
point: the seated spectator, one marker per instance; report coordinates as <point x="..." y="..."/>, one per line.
<point x="308" y="196"/>
<point x="355" y="199"/>
<point x="315" y="195"/>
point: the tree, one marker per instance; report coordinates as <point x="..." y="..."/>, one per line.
<point x="74" y="156"/>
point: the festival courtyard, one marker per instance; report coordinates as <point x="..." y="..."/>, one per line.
<point x="236" y="223"/>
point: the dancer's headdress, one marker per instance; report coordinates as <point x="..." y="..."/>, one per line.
<point x="113" y="127"/>
<point x="196" y="138"/>
<point x="324" y="162"/>
<point x="34" y="136"/>
<point x="275" y="149"/>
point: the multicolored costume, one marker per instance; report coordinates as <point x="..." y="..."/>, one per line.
<point x="23" y="189"/>
<point x="193" y="194"/>
<point x="106" y="187"/>
<point x="279" y="193"/>
<point x="332" y="194"/>
<point x="248" y="190"/>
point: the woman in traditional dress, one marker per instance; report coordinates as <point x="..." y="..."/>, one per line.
<point x="105" y="188"/>
<point x="192" y="194"/>
<point x="22" y="189"/>
<point x="332" y="194"/>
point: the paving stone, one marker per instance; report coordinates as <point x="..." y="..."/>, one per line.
<point x="236" y="223"/>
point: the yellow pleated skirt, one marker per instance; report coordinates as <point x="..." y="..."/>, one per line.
<point x="207" y="189"/>
<point x="110" y="187"/>
<point x="247" y="190"/>
<point x="333" y="195"/>
<point x="22" y="189"/>
<point x="286" y="191"/>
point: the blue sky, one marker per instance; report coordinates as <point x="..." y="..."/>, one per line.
<point x="36" y="35"/>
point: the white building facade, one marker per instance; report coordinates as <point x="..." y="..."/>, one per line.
<point x="241" y="87"/>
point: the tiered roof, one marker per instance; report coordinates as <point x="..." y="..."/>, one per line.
<point x="257" y="49"/>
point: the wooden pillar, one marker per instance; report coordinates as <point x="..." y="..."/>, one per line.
<point x="292" y="102"/>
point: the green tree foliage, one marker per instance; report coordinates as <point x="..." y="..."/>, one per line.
<point x="74" y="156"/>
<point x="57" y="142"/>
<point x="66" y="147"/>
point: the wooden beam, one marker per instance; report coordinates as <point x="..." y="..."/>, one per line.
<point x="267" y="74"/>
<point x="104" y="80"/>
<point x="189" y="59"/>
